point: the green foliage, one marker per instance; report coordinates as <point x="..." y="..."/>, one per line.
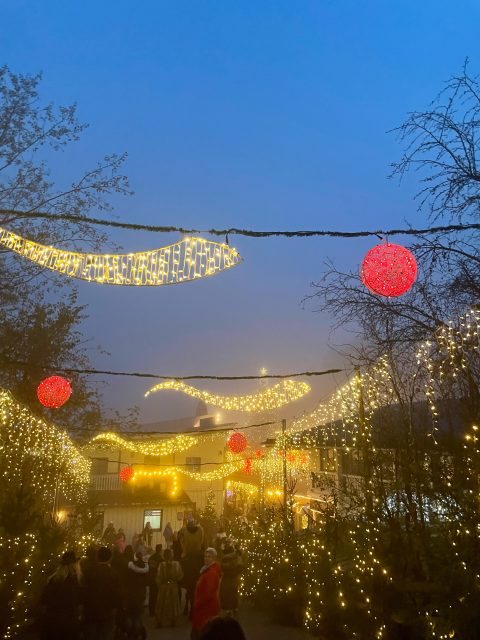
<point x="274" y="573"/>
<point x="208" y="517"/>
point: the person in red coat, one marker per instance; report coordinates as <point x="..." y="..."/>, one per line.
<point x="206" y="603"/>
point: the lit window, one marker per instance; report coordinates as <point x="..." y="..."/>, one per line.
<point x="154" y="517"/>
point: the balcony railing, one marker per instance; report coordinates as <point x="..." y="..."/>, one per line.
<point x="105" y="482"/>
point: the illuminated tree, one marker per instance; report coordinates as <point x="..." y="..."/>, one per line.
<point x="31" y="132"/>
<point x="40" y="326"/>
<point x="208" y="517"/>
<point x="442" y="147"/>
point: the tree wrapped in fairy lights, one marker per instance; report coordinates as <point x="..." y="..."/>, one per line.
<point x="40" y="464"/>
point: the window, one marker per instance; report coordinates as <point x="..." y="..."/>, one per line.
<point x="154" y="516"/>
<point x="352" y="462"/>
<point x="194" y="464"/>
<point x="328" y="459"/>
<point x="99" y="466"/>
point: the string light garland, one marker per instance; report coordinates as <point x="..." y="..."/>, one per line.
<point x="168" y="446"/>
<point x="54" y="392"/>
<point x="188" y="259"/>
<point x="222" y="470"/>
<point x="389" y="270"/>
<point x="274" y="397"/>
<point x="237" y="442"/>
<point x="236" y="231"/>
<point x="172" y="473"/>
<point x="163" y="447"/>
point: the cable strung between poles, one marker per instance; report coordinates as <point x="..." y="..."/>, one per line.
<point x="28" y="365"/>
<point x="250" y="233"/>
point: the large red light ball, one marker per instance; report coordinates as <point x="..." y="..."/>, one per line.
<point x="126" y="474"/>
<point x="389" y="270"/>
<point x="53" y="392"/>
<point x="237" y="442"/>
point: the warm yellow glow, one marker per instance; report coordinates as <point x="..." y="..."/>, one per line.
<point x="221" y="471"/>
<point x="163" y="447"/>
<point x="31" y="445"/>
<point x="342" y="405"/>
<point x="277" y="396"/>
<point x="446" y="358"/>
<point x="243" y="487"/>
<point x="189" y="259"/>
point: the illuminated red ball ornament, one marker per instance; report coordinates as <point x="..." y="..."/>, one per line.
<point x="53" y="392"/>
<point x="237" y="442"/>
<point x="389" y="270"/>
<point x="126" y="474"/>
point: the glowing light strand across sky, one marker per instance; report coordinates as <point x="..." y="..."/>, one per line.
<point x="163" y="447"/>
<point x="189" y="259"/>
<point x="277" y="396"/>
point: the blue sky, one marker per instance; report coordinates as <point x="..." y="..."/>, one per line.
<point x="250" y="114"/>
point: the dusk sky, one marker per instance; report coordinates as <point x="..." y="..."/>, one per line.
<point x="264" y="115"/>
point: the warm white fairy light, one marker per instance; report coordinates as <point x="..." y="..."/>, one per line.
<point x="189" y="259"/>
<point x="279" y="395"/>
<point x="152" y="447"/>
<point x="338" y="415"/>
<point x="448" y="359"/>
<point x="52" y="460"/>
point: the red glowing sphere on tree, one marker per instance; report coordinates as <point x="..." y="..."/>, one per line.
<point x="237" y="442"/>
<point x="389" y="270"/>
<point x="126" y="474"/>
<point x="53" y="392"/>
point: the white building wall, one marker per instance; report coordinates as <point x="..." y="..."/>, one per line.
<point x="130" y="519"/>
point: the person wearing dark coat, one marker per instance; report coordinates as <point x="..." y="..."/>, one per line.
<point x="147" y="534"/>
<point x="231" y="569"/>
<point x="153" y="562"/>
<point x="89" y="561"/>
<point x="192" y="559"/>
<point x="101" y="597"/>
<point x="176" y="547"/>
<point x="61" y="601"/>
<point x="135" y="594"/>
<point x="222" y="628"/>
<point x="109" y="534"/>
<point x="206" y="604"/>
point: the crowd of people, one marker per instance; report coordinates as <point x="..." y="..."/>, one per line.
<point x="103" y="595"/>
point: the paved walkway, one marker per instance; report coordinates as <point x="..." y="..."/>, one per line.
<point x="256" y="625"/>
